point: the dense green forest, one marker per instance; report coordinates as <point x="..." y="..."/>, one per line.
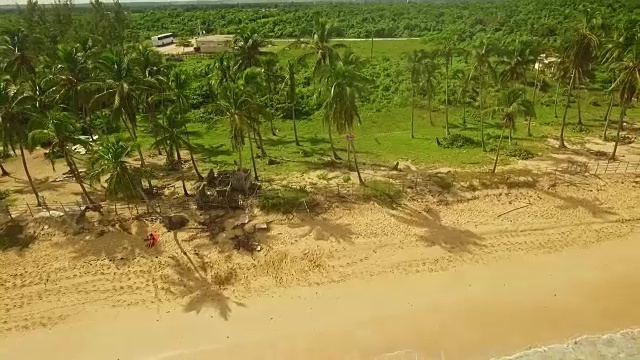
<point x="480" y="71"/>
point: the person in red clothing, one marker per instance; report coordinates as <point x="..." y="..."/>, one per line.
<point x="152" y="239"/>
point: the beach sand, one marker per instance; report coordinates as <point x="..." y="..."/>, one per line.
<point x="453" y="276"/>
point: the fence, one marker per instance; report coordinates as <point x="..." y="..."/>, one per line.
<point x="416" y="182"/>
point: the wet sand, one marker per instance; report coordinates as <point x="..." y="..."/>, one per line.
<point x="472" y="312"/>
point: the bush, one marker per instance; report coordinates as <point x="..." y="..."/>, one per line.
<point x="519" y="153"/>
<point x="384" y="193"/>
<point x="4" y="194"/>
<point x="458" y="141"/>
<point x="285" y="200"/>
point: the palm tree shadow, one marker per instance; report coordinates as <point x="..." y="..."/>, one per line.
<point x="13" y="234"/>
<point x="450" y="239"/>
<point x="595" y="208"/>
<point x="324" y="229"/>
<point x="200" y="293"/>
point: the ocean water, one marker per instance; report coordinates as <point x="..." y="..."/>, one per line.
<point x="621" y="345"/>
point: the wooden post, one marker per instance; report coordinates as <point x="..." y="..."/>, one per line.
<point x="29" y="207"/>
<point x="597" y="166"/>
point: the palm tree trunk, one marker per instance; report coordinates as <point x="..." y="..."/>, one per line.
<point x="333" y="149"/>
<point x="579" y="110"/>
<point x="179" y="158"/>
<point x="134" y="136"/>
<point x="606" y="118"/>
<point x="273" y="130"/>
<point x="566" y="109"/>
<point x="253" y="159"/>
<point x="295" y="127"/>
<point x="355" y="160"/>
<point x="510" y="134"/>
<point x="76" y="175"/>
<point x="446" y="99"/>
<point x="555" y="103"/>
<point x="4" y="171"/>
<point x="26" y="171"/>
<point x="464" y="115"/>
<point x="533" y="100"/>
<point x="193" y="160"/>
<point x="412" y="111"/>
<point x="430" y="113"/>
<point x="495" y="162"/>
<point x="484" y="145"/>
<point x="263" y="151"/>
<point x="348" y="155"/>
<point x="615" y="146"/>
<point x="193" y="264"/>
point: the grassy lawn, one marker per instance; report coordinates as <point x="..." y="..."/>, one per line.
<point x="384" y="136"/>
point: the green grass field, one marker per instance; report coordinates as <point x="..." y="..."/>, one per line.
<point x="384" y="136"/>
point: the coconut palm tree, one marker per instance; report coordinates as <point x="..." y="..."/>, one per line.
<point x="415" y="62"/>
<point x="290" y="82"/>
<point x="61" y="131"/>
<point x="447" y="51"/>
<point x="319" y="47"/>
<point x="343" y="84"/>
<point x="248" y="48"/>
<point x="117" y="88"/>
<point x="483" y="71"/>
<point x="627" y="84"/>
<point x="109" y="158"/>
<point x="15" y="112"/>
<point x="579" y="54"/>
<point x="430" y="82"/>
<point x="17" y="52"/>
<point x="174" y="135"/>
<point x="272" y="79"/>
<point x="511" y="104"/>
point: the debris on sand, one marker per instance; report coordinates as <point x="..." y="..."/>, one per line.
<point x="175" y="222"/>
<point x="224" y="188"/>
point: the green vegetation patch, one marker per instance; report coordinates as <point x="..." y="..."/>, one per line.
<point x="286" y="200"/>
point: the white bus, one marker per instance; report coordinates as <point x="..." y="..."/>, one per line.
<point x="163" y="39"/>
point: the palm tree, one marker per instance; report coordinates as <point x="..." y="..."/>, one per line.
<point x="60" y="129"/>
<point x="16" y="49"/>
<point x="465" y="94"/>
<point x="15" y="113"/>
<point x="430" y="82"/>
<point x="290" y="82"/>
<point x="511" y="104"/>
<point x="447" y="51"/>
<point x="272" y="78"/>
<point x="115" y="77"/>
<point x="579" y="54"/>
<point x="343" y="84"/>
<point x="627" y="84"/>
<point x="482" y="69"/>
<point x="415" y="60"/>
<point x="109" y="158"/>
<point x="319" y="47"/>
<point x="175" y="136"/>
<point x="248" y="49"/>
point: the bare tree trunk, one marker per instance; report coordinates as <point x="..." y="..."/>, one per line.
<point x="615" y="146"/>
<point x="606" y="118"/>
<point x="495" y="162"/>
<point x="179" y="158"/>
<point x="555" y="103"/>
<point x="355" y="160"/>
<point x="76" y="175"/>
<point x="566" y="109"/>
<point x="26" y="171"/>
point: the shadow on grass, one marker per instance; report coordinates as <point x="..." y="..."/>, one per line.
<point x="449" y="238"/>
<point x="211" y="152"/>
<point x="200" y="293"/>
<point x="14" y="235"/>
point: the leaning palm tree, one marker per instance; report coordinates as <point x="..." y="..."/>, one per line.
<point x="109" y="158"/>
<point x="580" y="55"/>
<point x="511" y="104"/>
<point x="627" y="84"/>
<point x="61" y="131"/>
<point x="343" y="84"/>
<point x="15" y="113"/>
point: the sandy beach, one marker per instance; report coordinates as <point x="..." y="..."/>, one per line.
<point x="455" y="276"/>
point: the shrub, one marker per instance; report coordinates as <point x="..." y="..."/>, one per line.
<point x="346" y="178"/>
<point x="4" y="194"/>
<point x="519" y="153"/>
<point x="458" y="141"/>
<point x="286" y="200"/>
<point x="384" y="193"/>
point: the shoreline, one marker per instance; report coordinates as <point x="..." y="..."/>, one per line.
<point x="473" y="312"/>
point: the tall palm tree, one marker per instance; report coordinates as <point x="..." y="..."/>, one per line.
<point x="17" y="50"/>
<point x="272" y="78"/>
<point x="319" y="47"/>
<point x="415" y="62"/>
<point x="627" y="84"/>
<point x="109" y="158"/>
<point x="579" y="54"/>
<point x="61" y="130"/>
<point x="117" y="88"/>
<point x="483" y="71"/>
<point x="175" y="136"/>
<point x="511" y="104"/>
<point x="430" y="82"/>
<point x="248" y="48"/>
<point x="447" y="51"/>
<point x="15" y="112"/>
<point x="344" y="84"/>
<point x="290" y="82"/>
